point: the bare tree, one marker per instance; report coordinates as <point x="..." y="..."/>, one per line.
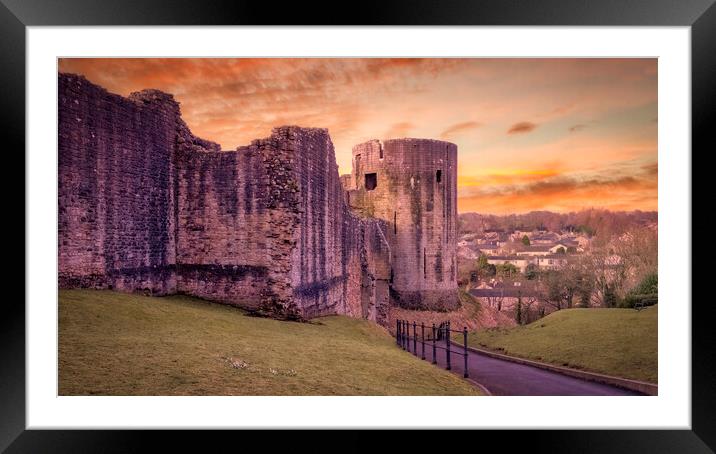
<point x="638" y="249"/>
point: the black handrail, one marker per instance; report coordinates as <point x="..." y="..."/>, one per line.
<point x="422" y="339"/>
<point x="402" y="335"/>
<point x="434" y="361"/>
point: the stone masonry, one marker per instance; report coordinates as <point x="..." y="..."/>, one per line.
<point x="145" y="206"/>
<point x="411" y="184"/>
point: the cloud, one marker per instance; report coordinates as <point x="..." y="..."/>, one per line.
<point x="507" y="177"/>
<point x="565" y="193"/>
<point x="459" y="128"/>
<point x="232" y="101"/>
<point x="522" y="127"/>
<point x="398" y="130"/>
<point x="651" y="169"/>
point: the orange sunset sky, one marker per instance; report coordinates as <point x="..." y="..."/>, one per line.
<point x="532" y="134"/>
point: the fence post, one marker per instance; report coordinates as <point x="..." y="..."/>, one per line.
<point x="406" y="345"/>
<point x="422" y="338"/>
<point x="434" y="335"/>
<point x="415" y="338"/>
<point x="404" y="334"/>
<point x="397" y="331"/>
<point x="447" y="344"/>
<point x="464" y="338"/>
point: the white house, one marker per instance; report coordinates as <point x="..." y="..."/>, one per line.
<point x="518" y="261"/>
<point x="551" y="262"/>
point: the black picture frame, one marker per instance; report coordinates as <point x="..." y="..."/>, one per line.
<point x="700" y="15"/>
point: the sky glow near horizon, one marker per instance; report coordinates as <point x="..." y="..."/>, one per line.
<point x="532" y="134"/>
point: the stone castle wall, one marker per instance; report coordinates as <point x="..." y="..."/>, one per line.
<point x="116" y="208"/>
<point x="411" y="184"/>
<point x="144" y="205"/>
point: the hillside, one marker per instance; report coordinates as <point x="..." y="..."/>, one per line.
<point x="119" y="344"/>
<point x="619" y="342"/>
<point x="471" y="314"/>
<point x="593" y="221"/>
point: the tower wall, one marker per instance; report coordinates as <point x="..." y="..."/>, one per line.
<point x="412" y="185"/>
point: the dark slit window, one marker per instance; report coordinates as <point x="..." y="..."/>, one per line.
<point x="438" y="175"/>
<point x="425" y="264"/>
<point x="371" y="181"/>
<point x="395" y="222"/>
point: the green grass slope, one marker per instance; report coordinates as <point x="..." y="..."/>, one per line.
<point x="119" y="344"/>
<point x="619" y="342"/>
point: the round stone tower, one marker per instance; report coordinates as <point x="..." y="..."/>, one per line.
<point x="412" y="184"/>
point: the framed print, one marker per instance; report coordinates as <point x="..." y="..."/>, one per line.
<point x="246" y="217"/>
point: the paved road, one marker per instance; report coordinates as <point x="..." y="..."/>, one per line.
<point x="505" y="378"/>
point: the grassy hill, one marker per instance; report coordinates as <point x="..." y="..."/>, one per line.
<point x="620" y="342"/>
<point x="119" y="344"/>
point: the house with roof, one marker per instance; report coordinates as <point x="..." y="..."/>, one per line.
<point x="536" y="250"/>
<point x="520" y="262"/>
<point x="561" y="245"/>
<point x="551" y="261"/>
<point x="488" y="247"/>
<point x="468" y="251"/>
<point x="504" y="299"/>
<point x="544" y="238"/>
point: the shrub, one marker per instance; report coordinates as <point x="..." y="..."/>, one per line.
<point x="647" y="299"/>
<point x="647" y="292"/>
<point x="648" y="285"/>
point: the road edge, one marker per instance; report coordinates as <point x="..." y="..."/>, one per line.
<point x="479" y="386"/>
<point x="650" y="389"/>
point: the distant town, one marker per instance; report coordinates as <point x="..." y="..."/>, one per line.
<point x="530" y="265"/>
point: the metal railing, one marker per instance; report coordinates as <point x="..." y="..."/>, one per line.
<point x="439" y="333"/>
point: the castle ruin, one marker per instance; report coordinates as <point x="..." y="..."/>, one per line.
<point x="411" y="185"/>
<point x="145" y="206"/>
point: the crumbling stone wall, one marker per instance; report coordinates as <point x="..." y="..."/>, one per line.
<point x="222" y="211"/>
<point x="411" y="184"/>
<point x="146" y="206"/>
<point x="116" y="209"/>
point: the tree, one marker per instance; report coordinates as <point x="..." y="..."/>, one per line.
<point x="507" y="270"/>
<point x="552" y="289"/>
<point x="490" y="270"/>
<point x="638" y="250"/>
<point x="561" y="286"/>
<point x="586" y="287"/>
<point x="607" y="273"/>
<point x="482" y="261"/>
<point x="518" y="316"/>
<point x="484" y="268"/>
<point x="526" y="240"/>
<point x="526" y="308"/>
<point x="531" y="272"/>
<point x="610" y="296"/>
<point x="575" y="280"/>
